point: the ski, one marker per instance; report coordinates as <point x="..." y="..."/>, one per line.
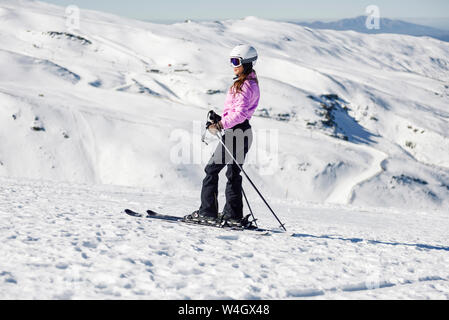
<point x="150" y="214"/>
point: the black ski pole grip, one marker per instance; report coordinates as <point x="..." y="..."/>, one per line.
<point x="213" y="117"/>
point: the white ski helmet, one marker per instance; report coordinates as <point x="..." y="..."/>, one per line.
<point x="246" y="54"/>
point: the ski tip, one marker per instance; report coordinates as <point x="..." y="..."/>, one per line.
<point x="132" y="213"/>
<point x="151" y="213"/>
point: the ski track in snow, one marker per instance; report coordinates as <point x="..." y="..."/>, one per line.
<point x="68" y="241"/>
<point x="343" y="193"/>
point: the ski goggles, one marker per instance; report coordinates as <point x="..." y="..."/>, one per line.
<point x="236" y="62"/>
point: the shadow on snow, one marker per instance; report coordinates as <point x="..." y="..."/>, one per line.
<point x="356" y="240"/>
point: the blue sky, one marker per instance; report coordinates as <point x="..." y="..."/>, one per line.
<point x="432" y="11"/>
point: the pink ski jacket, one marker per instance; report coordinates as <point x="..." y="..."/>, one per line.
<point x="241" y="106"/>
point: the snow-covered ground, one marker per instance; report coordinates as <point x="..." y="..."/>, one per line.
<point x="91" y="121"/>
<point x="70" y="241"/>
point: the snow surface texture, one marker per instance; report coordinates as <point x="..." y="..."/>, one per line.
<point x="67" y="241"/>
<point x="362" y="173"/>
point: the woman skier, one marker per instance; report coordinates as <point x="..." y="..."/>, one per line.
<point x="241" y="102"/>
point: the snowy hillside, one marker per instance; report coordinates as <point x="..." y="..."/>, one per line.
<point x="92" y="119"/>
<point x="362" y="119"/>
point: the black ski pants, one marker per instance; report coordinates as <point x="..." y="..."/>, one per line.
<point x="238" y="140"/>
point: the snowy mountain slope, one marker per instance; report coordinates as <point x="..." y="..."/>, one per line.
<point x="108" y="97"/>
<point x="69" y="241"/>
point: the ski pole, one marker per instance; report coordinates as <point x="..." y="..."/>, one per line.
<point x="249" y="207"/>
<point x="220" y="137"/>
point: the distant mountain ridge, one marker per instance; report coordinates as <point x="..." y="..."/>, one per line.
<point x="386" y="26"/>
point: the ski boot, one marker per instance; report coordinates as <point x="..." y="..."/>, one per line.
<point x="226" y="219"/>
<point x="196" y="217"/>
